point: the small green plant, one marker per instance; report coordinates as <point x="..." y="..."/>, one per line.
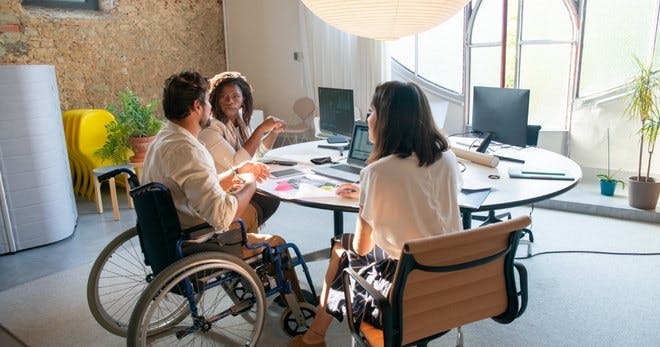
<point x="132" y="119"/>
<point x="608" y="178"/>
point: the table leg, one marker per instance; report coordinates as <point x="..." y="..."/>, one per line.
<point x="339" y="222"/>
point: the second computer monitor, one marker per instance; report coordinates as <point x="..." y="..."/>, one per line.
<point x="501" y="112"/>
<point x="336" y="115"/>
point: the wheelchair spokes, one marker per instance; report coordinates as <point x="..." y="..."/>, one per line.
<point x="219" y="317"/>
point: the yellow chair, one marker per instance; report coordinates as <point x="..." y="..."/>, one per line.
<point x="444" y="282"/>
<point x="70" y="120"/>
<point x="91" y="135"/>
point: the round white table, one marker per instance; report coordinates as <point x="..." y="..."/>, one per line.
<point x="505" y="192"/>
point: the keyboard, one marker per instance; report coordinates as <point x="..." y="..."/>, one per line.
<point x="347" y="168"/>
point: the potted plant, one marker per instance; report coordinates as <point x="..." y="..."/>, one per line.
<point x="643" y="189"/>
<point x="607" y="181"/>
<point x="132" y="131"/>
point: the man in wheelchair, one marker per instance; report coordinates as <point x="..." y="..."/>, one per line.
<point x="178" y="160"/>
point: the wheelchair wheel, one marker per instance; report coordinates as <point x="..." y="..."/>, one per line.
<point x="293" y="325"/>
<point x="116" y="282"/>
<point x="223" y="318"/>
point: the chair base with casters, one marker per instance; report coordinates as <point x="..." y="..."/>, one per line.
<point x="443" y="282"/>
<point x="158" y="284"/>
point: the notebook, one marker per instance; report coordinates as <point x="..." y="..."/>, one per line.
<point x="539" y="174"/>
<point x="357" y="157"/>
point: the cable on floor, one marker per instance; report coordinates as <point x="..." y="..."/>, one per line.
<point x="586" y="252"/>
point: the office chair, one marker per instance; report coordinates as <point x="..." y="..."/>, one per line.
<point x="443" y="282"/>
<point x="304" y="109"/>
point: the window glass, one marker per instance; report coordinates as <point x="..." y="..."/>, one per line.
<point x="546" y="20"/>
<point x="548" y="85"/>
<point x="403" y="50"/>
<point x="488" y="22"/>
<point x="607" y="59"/>
<point x="441" y="54"/>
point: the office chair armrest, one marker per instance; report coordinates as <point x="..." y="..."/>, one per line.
<point x="380" y="301"/>
<point x="522" y="275"/>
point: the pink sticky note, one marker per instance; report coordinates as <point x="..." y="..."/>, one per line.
<point x="284" y="186"/>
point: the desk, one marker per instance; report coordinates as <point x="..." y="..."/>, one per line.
<point x="505" y="192"/>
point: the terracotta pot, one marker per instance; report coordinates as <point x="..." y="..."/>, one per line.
<point x="139" y="145"/>
<point x="643" y="194"/>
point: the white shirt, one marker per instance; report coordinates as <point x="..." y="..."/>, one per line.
<point x="180" y="162"/>
<point x="402" y="201"/>
<point x="223" y="142"/>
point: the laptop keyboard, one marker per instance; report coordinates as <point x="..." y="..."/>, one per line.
<point x="347" y="168"/>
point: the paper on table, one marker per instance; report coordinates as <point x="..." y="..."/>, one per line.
<point x="306" y="190"/>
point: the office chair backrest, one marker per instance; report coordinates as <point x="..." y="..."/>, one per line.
<point x="452" y="279"/>
<point x="157" y="224"/>
<point x="533" y="135"/>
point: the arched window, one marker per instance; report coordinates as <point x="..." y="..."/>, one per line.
<point x="607" y="62"/>
<point x="541" y="45"/>
<point x="435" y="57"/>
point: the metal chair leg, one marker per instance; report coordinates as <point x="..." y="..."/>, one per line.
<point x="459" y="336"/>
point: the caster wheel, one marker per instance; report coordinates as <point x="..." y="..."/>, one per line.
<point x="307" y="295"/>
<point x="290" y="324"/>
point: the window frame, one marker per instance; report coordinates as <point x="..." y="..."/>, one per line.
<point x="86" y="5"/>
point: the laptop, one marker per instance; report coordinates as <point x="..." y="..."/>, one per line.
<point x="356" y="160"/>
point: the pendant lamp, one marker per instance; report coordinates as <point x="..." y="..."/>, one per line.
<point x="384" y="19"/>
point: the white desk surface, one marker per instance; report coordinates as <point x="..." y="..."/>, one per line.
<point x="505" y="192"/>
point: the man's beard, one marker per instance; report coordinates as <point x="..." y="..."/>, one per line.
<point x="205" y="124"/>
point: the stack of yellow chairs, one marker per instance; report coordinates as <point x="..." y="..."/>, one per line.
<point x="85" y="133"/>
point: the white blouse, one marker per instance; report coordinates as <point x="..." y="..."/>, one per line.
<point x="223" y="142"/>
<point x="402" y="201"/>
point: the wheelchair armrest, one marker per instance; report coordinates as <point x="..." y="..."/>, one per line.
<point x="522" y="274"/>
<point x="198" y="234"/>
<point x="380" y="301"/>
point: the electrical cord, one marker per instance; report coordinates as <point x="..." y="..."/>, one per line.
<point x="580" y="251"/>
<point x="586" y="252"/>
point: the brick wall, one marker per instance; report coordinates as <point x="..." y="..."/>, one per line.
<point x="129" y="43"/>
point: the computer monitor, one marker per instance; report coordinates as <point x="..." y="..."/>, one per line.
<point x="336" y="115"/>
<point x="502" y="113"/>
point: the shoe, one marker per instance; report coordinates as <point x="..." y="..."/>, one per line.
<point x="298" y="342"/>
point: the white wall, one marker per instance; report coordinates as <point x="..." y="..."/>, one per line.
<point x="261" y="37"/>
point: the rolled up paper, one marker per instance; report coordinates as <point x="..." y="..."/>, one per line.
<point x="476" y="157"/>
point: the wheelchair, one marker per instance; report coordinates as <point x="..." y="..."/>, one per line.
<point x="158" y="284"/>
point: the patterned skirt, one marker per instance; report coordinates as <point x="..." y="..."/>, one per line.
<point x="378" y="270"/>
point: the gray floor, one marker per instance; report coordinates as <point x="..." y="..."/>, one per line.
<point x="577" y="299"/>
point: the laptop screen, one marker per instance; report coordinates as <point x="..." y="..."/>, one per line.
<point x="360" y="145"/>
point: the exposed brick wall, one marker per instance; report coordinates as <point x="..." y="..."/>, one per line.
<point x="129" y="43"/>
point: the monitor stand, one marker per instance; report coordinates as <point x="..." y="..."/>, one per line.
<point x="337" y="139"/>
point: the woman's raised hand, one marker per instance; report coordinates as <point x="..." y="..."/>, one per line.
<point x="273" y="124"/>
<point x="348" y="190"/>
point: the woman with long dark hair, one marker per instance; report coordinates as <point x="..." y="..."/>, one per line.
<point x="409" y="190"/>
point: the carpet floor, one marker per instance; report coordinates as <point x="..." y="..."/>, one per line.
<point x="575" y="299"/>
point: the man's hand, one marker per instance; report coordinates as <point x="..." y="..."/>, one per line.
<point x="259" y="170"/>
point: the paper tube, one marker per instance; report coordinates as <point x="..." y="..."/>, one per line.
<point x="476" y="157"/>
